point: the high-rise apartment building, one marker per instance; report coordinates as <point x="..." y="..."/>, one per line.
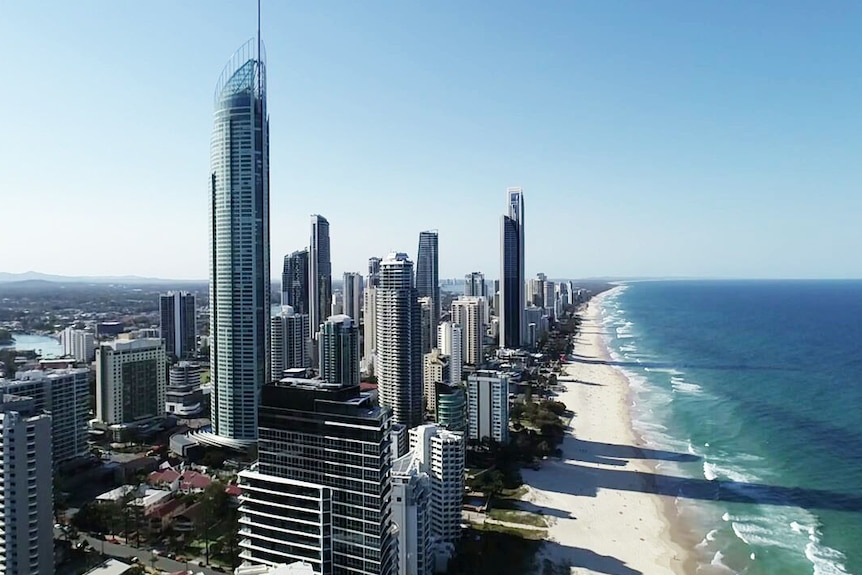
<point x="399" y="357"/>
<point x="177" y="323"/>
<point x="290" y="342"/>
<point x="130" y="382"/>
<point x="441" y="455"/>
<point x="474" y="285"/>
<point x="239" y="250"/>
<point x="337" y="306"/>
<point x="339" y="350"/>
<point x="183" y="397"/>
<point x="411" y="514"/>
<point x="435" y="369"/>
<point x="512" y="271"/>
<point x="319" y="273"/>
<point x="428" y="279"/>
<point x="65" y="393"/>
<point x="321" y="490"/>
<point x="451" y="404"/>
<point x="78" y="343"/>
<point x="369" y="326"/>
<point x="549" y="297"/>
<point x="352" y="295"/>
<point x="425" y="324"/>
<point x="373" y="272"/>
<point x="27" y="494"/>
<point x="488" y="405"/>
<point x="469" y="313"/>
<point x="450" y="341"/>
<point x="294" y="282"/>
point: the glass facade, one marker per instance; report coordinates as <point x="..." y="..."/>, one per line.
<point x="512" y="278"/>
<point x="239" y="263"/>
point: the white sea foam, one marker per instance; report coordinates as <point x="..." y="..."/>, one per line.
<point x="682" y="386"/>
<point x="753" y="533"/>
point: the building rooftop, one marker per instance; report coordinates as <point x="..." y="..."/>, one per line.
<point x="110" y="567"/>
<point x="298" y="568"/>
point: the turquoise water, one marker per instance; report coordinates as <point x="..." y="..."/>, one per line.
<point x="755" y="387"/>
<point x="44" y="345"/>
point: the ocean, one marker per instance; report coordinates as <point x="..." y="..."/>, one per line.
<point x="751" y="394"/>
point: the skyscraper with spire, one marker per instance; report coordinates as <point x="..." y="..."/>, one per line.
<point x="239" y="246"/>
<point x="512" y="271"/>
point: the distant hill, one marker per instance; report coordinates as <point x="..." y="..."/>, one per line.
<point x="6" y="277"/>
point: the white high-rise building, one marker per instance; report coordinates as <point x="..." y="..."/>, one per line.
<point x="339" y="350"/>
<point x="290" y="342"/>
<point x="411" y="514"/>
<point x="78" y="343"/>
<point x="399" y="357"/>
<point x="488" y="405"/>
<point x="449" y="336"/>
<point x="131" y="382"/>
<point x="468" y="312"/>
<point x="337" y="307"/>
<point x="26" y="489"/>
<point x="239" y="298"/>
<point x="441" y="455"/>
<point x="352" y="295"/>
<point x="65" y="393"/>
<point x="369" y="327"/>
<point x="184" y="397"/>
<point x="549" y="297"/>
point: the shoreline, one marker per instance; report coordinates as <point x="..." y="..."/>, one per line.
<point x="604" y="516"/>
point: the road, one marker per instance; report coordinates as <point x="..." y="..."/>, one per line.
<point x="121" y="551"/>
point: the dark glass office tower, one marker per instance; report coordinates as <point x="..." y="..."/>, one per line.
<point x="177" y="324"/>
<point x="428" y="278"/>
<point x="294" y="282"/>
<point x="512" y="271"/>
<point x="319" y="274"/>
<point x="321" y="490"/>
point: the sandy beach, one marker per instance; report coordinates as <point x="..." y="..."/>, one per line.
<point x="603" y="516"/>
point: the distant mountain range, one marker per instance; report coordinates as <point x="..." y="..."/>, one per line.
<point x="6" y="277"/>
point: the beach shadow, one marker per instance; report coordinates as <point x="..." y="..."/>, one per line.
<point x="579" y="557"/>
<point x="576" y="358"/>
<point x="531" y="507"/>
<point x="621" y="453"/>
<point x="582" y="382"/>
<point x="587" y="481"/>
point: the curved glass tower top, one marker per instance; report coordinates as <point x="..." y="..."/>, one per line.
<point x="244" y="74"/>
<point x="239" y="250"/>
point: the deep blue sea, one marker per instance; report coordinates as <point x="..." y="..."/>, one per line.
<point x="754" y="388"/>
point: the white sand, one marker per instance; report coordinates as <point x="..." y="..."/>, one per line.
<point x="603" y="520"/>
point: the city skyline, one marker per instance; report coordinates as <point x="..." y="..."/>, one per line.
<point x="706" y="158"/>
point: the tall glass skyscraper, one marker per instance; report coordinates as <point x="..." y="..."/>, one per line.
<point x="428" y="278"/>
<point x="319" y="273"/>
<point x="294" y="281"/>
<point x="512" y="271"/>
<point x="239" y="251"/>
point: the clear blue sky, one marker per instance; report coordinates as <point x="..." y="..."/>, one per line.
<point x="651" y="138"/>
